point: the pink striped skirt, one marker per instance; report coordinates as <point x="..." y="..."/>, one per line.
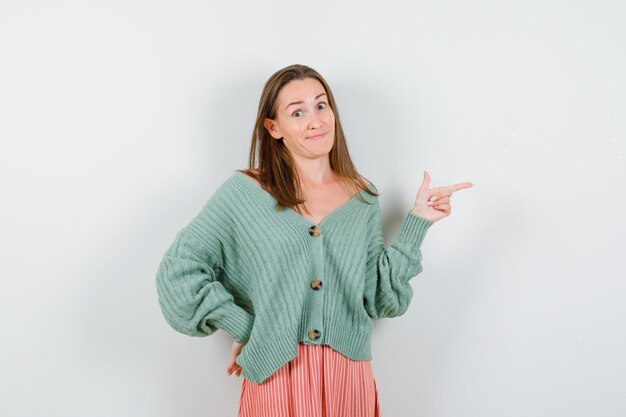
<point x="318" y="382"/>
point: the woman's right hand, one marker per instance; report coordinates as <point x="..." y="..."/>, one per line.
<point x="234" y="352"/>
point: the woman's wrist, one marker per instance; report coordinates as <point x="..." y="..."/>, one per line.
<point x="417" y="212"/>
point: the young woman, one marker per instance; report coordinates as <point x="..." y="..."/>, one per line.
<point x="288" y="257"/>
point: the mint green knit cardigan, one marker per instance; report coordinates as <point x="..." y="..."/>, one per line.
<point x="275" y="278"/>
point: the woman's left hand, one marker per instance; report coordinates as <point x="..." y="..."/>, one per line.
<point x="434" y="203"/>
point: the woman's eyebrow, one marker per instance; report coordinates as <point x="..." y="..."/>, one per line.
<point x="300" y="102"/>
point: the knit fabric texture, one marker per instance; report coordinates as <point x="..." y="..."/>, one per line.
<point x="244" y="266"/>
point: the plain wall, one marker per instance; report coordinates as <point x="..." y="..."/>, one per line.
<point x="119" y="119"/>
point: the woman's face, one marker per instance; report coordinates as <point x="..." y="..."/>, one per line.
<point x="304" y="120"/>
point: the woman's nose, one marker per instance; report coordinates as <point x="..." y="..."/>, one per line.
<point x="314" y="121"/>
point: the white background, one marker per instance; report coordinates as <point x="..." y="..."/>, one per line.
<point x="118" y="120"/>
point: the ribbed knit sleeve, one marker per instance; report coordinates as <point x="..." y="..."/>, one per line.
<point x="387" y="289"/>
<point x="192" y="298"/>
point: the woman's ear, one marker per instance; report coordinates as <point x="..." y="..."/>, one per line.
<point x="272" y="128"/>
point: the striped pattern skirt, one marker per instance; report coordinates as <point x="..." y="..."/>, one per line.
<point x="318" y="382"/>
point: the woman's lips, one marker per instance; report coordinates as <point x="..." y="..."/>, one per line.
<point x="320" y="136"/>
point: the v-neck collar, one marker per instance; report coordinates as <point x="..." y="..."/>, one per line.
<point x="330" y="219"/>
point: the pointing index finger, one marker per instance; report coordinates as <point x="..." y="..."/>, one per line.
<point x="459" y="186"/>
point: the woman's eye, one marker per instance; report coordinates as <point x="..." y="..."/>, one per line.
<point x="320" y="106"/>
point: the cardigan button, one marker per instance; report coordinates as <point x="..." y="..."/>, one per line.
<point x="316" y="284"/>
<point x="314" y="231"/>
<point x="314" y="334"/>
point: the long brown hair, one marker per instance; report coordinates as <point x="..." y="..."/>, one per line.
<point x="276" y="169"/>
